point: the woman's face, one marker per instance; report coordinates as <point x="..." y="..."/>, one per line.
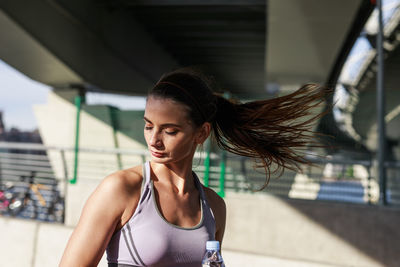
<point x="169" y="133"/>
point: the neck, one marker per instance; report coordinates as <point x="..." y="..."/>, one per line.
<point x="177" y="175"/>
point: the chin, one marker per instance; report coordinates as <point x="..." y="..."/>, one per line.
<point x="166" y="160"/>
<point x="160" y="160"/>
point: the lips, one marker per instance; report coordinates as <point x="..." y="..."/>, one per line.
<point x="157" y="154"/>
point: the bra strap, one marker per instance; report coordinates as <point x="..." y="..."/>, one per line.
<point x="146" y="175"/>
<point x="147" y="171"/>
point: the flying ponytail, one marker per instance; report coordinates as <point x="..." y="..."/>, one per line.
<point x="275" y="131"/>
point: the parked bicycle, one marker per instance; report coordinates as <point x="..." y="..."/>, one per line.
<point x="35" y="201"/>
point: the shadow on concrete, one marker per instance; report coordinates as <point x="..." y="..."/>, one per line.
<point x="127" y="122"/>
<point x="374" y="230"/>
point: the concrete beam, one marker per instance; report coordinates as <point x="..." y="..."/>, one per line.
<point x="116" y="54"/>
<point x="305" y="37"/>
<point x="25" y="53"/>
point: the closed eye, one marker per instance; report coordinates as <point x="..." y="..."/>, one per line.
<point x="171" y="132"/>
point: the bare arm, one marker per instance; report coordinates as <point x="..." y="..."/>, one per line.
<point x="104" y="212"/>
<point x="219" y="209"/>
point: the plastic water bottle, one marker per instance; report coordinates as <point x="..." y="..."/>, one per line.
<point x="212" y="257"/>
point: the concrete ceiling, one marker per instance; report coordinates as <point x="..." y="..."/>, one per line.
<point x="305" y="38"/>
<point x="124" y="46"/>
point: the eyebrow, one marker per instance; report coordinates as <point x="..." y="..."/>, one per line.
<point x="165" y="125"/>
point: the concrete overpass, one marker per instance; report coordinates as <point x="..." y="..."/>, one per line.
<point x="124" y="46"/>
<point x="256" y="48"/>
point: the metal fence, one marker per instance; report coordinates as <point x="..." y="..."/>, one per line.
<point x="28" y="187"/>
<point x="326" y="179"/>
<point x="34" y="178"/>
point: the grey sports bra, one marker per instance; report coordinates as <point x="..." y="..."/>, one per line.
<point x="147" y="239"/>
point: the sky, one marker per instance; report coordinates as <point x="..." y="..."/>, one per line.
<point x="19" y="93"/>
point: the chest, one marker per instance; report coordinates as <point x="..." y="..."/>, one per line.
<point x="181" y="211"/>
<point x="163" y="246"/>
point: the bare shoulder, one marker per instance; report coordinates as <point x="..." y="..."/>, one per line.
<point x="123" y="181"/>
<point x="123" y="189"/>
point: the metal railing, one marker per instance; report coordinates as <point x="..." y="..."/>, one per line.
<point x="35" y="171"/>
<point x="28" y="184"/>
<point x="325" y="179"/>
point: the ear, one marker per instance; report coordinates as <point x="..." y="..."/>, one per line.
<point x="202" y="133"/>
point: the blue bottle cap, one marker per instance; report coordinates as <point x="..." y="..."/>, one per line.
<point x="212" y="245"/>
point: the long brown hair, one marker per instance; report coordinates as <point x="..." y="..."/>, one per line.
<point x="275" y="132"/>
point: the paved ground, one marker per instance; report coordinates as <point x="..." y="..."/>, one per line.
<point x="239" y="259"/>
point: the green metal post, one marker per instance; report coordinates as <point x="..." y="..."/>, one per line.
<point x="78" y="102"/>
<point x="207" y="163"/>
<point x="222" y="166"/>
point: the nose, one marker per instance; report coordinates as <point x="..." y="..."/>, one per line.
<point x="155" y="139"/>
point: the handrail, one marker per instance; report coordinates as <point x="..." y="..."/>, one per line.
<point x="225" y="173"/>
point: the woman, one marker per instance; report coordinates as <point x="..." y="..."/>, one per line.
<point x="159" y="214"/>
